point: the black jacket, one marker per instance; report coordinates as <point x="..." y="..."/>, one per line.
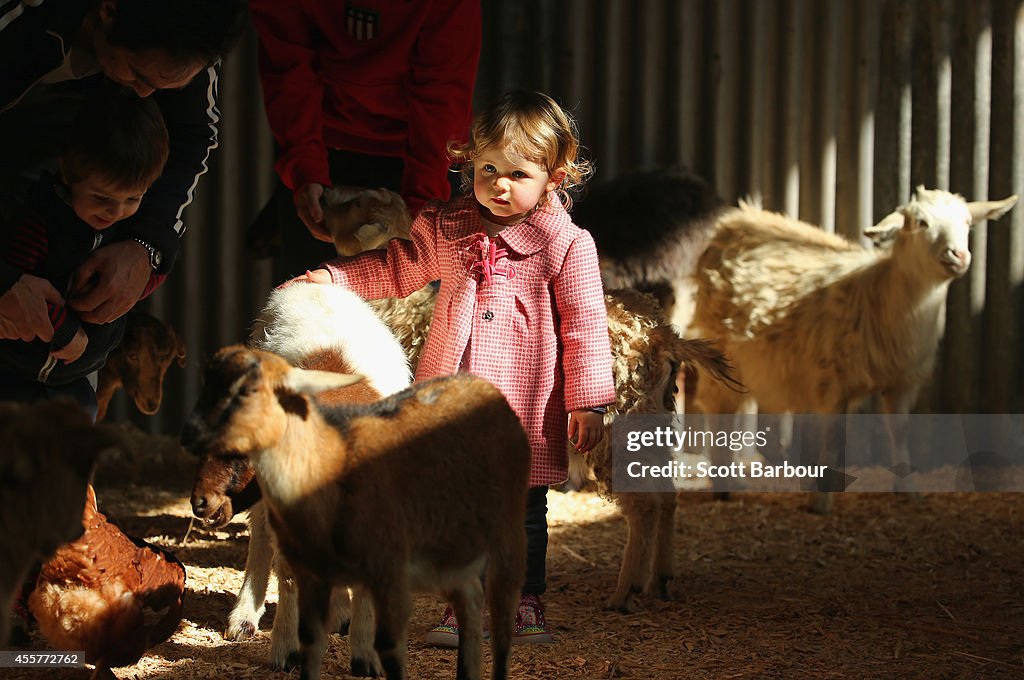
<point x="47" y="239"/>
<point x="35" y="39"/>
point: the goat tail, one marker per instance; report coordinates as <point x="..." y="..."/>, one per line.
<point x="706" y="356"/>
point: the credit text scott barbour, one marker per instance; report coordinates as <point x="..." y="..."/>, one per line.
<point x="702" y="470"/>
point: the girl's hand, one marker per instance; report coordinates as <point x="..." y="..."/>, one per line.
<point x="315" y="276"/>
<point x="586" y="429"/>
<point x="74" y="349"/>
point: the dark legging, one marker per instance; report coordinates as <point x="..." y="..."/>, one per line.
<point x="536" y="540"/>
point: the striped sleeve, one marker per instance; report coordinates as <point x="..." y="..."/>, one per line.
<point x="192" y="119"/>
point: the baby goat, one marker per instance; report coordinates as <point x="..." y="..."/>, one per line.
<point x="326" y="328"/>
<point x="364" y="219"/>
<point x="139" y="363"/>
<point x="351" y="493"/>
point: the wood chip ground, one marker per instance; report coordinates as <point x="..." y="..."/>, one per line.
<point x="885" y="587"/>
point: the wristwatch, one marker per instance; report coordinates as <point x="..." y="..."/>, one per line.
<point x="155" y="257"/>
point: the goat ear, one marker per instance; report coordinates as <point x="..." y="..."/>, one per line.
<point x="990" y="210"/>
<point x="886" y="228"/>
<point x="306" y="381"/>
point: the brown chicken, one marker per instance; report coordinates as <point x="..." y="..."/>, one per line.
<point x="109" y="595"/>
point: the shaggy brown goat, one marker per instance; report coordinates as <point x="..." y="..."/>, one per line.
<point x="647" y="357"/>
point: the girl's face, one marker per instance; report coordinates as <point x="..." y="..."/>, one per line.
<point x="509" y="186"/>
<point x="100" y="204"/>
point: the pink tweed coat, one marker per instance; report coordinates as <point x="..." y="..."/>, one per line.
<point x="524" y="310"/>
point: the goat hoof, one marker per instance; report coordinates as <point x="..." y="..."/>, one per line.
<point x="243" y="631"/>
<point x="343" y="627"/>
<point x="666" y="588"/>
<point x="627" y="606"/>
<point x="293" y="661"/>
<point x="290" y="662"/>
<point x="361" y="668"/>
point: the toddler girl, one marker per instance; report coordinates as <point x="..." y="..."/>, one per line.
<point x="520" y="302"/>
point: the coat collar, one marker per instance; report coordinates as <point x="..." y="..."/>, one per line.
<point x="526" y="238"/>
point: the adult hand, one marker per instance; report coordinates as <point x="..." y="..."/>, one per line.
<point x="23" y="314"/>
<point x="74" y="349"/>
<point x="110" y="282"/>
<point x="586" y="429"/>
<point x="307" y="205"/>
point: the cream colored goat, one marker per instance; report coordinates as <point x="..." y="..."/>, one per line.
<point x="351" y="493"/>
<point x="814" y="323"/>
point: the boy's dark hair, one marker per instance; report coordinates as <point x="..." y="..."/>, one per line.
<point x="120" y="137"/>
<point x="189" y="31"/>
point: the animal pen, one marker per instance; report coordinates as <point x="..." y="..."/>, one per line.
<point x="831" y="111"/>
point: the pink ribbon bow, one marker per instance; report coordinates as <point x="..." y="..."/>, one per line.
<point x="487" y="264"/>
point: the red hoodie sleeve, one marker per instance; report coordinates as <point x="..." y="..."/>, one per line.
<point x="440" y="96"/>
<point x="292" y="91"/>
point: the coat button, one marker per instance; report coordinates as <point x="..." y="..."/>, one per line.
<point x="488" y="315"/>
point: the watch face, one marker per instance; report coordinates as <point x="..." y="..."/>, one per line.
<point x="155" y="258"/>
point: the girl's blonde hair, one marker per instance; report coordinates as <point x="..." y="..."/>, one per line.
<point x="533" y="126"/>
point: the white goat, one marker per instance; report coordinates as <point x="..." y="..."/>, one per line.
<point x="814" y="323"/>
<point x="351" y="493"/>
<point x="312" y="326"/>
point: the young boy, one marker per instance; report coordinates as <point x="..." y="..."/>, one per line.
<point x="117" y="148"/>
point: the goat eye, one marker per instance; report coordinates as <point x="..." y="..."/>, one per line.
<point x="245" y="390"/>
<point x="133" y="357"/>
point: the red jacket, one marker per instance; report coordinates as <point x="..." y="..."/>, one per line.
<point x="378" y="77"/>
<point x="533" y="323"/>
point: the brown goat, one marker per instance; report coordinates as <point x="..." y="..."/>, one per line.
<point x="351" y="493"/>
<point x="46" y="462"/>
<point x="139" y="363"/>
<point x="312" y="326"/>
<point x="364" y="219"/>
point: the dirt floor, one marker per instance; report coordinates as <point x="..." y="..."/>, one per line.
<point x="885" y="587"/>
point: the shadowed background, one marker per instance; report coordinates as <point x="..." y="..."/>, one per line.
<point x="830" y="111"/>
